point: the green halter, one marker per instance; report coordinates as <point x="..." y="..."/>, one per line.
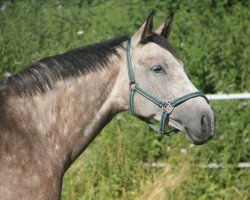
<point x="166" y="106"/>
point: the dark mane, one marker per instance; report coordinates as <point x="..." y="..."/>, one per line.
<point x="41" y="75"/>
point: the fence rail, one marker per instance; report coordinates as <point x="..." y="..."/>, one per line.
<point x="240" y="165"/>
<point x="228" y="96"/>
<point x="209" y="96"/>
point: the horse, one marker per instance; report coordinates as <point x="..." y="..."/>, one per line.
<point x="52" y="110"/>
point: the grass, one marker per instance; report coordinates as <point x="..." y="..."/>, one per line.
<point x="113" y="167"/>
<point x="212" y="37"/>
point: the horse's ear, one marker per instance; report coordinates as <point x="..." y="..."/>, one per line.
<point x="165" y="29"/>
<point x="148" y="27"/>
<point x="145" y="31"/>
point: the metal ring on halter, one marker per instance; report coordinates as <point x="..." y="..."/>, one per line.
<point x="132" y="85"/>
<point x="168" y="105"/>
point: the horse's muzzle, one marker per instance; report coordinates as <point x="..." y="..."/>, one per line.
<point x="204" y="131"/>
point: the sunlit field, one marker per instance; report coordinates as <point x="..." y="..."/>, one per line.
<point x="211" y="37"/>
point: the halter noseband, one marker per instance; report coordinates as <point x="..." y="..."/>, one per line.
<point x="166" y="106"/>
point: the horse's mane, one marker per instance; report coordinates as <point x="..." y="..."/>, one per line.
<point x="41" y="76"/>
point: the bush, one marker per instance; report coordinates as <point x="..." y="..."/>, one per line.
<point x="212" y="38"/>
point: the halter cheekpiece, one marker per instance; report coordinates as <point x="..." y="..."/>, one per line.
<point x="166" y="106"/>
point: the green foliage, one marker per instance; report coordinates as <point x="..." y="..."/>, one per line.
<point x="213" y="40"/>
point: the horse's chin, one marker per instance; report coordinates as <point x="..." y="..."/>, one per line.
<point x="194" y="139"/>
<point x="190" y="136"/>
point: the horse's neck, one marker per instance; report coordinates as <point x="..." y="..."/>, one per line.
<point x="69" y="117"/>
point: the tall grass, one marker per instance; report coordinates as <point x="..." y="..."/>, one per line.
<point x="213" y="39"/>
<point x="113" y="166"/>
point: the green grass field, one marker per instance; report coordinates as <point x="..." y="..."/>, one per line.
<point x="213" y="40"/>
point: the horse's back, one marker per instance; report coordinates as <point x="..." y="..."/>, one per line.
<point x="6" y="93"/>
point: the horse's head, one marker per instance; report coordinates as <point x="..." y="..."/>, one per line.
<point x="159" y="72"/>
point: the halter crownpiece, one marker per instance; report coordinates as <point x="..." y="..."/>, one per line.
<point x="166" y="106"/>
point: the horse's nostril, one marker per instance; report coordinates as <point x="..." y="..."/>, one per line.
<point x="202" y="120"/>
<point x="204" y="123"/>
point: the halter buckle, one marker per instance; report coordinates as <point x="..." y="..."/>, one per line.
<point x="132" y="86"/>
<point x="168" y="107"/>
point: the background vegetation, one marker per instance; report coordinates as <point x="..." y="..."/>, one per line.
<point x="213" y="39"/>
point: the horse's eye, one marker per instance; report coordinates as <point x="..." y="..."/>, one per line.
<point x="158" y="69"/>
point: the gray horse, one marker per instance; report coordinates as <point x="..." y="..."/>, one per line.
<point x="51" y="111"/>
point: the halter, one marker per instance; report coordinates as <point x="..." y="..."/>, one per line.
<point x="166" y="106"/>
